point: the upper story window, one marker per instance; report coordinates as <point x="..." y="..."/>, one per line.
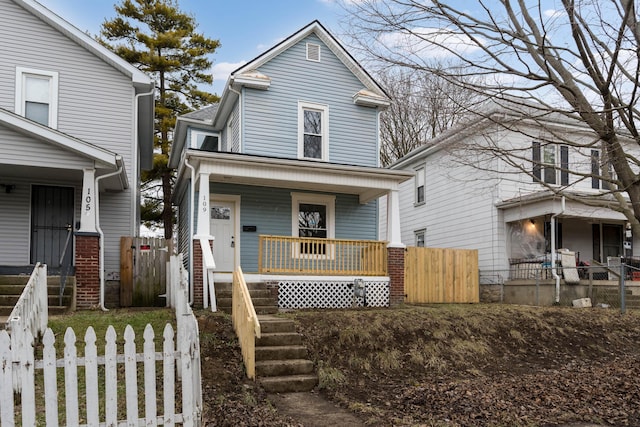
<point x="313" y="135"/>
<point x="208" y="141"/>
<point x="420" y="237"/>
<point x="37" y="96"/>
<point x="599" y="168"/>
<point x="550" y="163"/>
<point x="420" y="179"/>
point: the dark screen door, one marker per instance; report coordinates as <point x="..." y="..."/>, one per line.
<point x="51" y="223"/>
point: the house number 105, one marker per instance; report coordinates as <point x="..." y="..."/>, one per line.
<point x="87" y="199"/>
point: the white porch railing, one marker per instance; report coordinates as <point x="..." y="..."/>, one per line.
<point x="29" y="317"/>
<point x="208" y="268"/>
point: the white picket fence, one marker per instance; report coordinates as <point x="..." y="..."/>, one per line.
<point x="180" y="358"/>
<point x="29" y="317"/>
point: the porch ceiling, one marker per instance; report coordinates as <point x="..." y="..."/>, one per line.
<point x="546" y="203"/>
<point x="367" y="182"/>
<point x="44" y="175"/>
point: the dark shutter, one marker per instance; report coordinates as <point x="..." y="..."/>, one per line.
<point x="564" y="165"/>
<point x="595" y="169"/>
<point x="535" y="157"/>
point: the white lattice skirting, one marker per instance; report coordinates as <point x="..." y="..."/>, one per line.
<point x="334" y="294"/>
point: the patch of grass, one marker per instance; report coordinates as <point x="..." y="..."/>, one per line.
<point x="329" y="377"/>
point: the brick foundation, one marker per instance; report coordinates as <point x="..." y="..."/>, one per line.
<point x="395" y="269"/>
<point x="87" y="270"/>
<point x="198" y="297"/>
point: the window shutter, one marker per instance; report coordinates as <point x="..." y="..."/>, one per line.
<point x="595" y="169"/>
<point x="564" y="165"/>
<point x="535" y="157"/>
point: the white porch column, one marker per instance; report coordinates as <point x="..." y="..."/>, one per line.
<point x="88" y="210"/>
<point x="203" y="214"/>
<point x="393" y="220"/>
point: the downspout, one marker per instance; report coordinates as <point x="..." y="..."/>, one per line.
<point x="192" y="194"/>
<point x="554" y="273"/>
<point x="135" y="201"/>
<point x="119" y="161"/>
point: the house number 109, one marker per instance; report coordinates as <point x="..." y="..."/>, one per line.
<point x="204" y="204"/>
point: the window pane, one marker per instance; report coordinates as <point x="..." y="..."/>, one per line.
<point x="37" y="89"/>
<point x="313" y="146"/>
<point x="220" y="212"/>
<point x="312" y="122"/>
<point x="312" y="217"/>
<point x="37" y="112"/>
<point x="420" y="194"/>
<point x="420" y="239"/>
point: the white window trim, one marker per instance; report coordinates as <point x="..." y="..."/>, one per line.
<point x="316" y="199"/>
<point x="21" y="73"/>
<point x="324" y="109"/>
<point x="420" y="170"/>
<point x="416" y="233"/>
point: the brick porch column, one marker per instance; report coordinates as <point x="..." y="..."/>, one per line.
<point x="198" y="296"/>
<point x="395" y="269"/>
<point x="87" y="270"/>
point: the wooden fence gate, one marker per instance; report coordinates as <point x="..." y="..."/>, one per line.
<point x="434" y="275"/>
<point x="143" y="265"/>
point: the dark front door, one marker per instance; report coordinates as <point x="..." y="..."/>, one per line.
<point x="51" y="225"/>
<point x="611" y="241"/>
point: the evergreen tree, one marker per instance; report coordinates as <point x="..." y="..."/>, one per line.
<point x="161" y="40"/>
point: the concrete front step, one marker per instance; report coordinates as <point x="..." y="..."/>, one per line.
<point x="272" y="324"/>
<point x="270" y="339"/>
<point x="255" y="293"/>
<point x="281" y="352"/>
<point x="289" y="383"/>
<point x="274" y="368"/>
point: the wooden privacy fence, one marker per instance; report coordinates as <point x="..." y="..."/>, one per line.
<point x="305" y="255"/>
<point x="143" y="272"/>
<point x="434" y="275"/>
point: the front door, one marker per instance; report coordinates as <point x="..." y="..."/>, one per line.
<point x="611" y="241"/>
<point x="51" y="225"/>
<point x="223" y="229"/>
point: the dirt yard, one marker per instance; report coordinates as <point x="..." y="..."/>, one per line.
<point x="458" y="365"/>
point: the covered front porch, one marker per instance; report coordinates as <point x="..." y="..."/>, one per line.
<point x="306" y="228"/>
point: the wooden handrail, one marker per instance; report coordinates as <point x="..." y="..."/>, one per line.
<point x="245" y="321"/>
<point x="318" y="256"/>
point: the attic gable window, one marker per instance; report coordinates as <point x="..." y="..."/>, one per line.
<point x="37" y="96"/>
<point x="313" y="52"/>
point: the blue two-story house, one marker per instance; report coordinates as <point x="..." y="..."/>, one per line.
<point x="283" y="177"/>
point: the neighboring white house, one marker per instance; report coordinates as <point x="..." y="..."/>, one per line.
<point x="76" y="127"/>
<point x="465" y="196"/>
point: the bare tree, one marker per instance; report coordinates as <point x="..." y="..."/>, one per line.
<point x="580" y="61"/>
<point x="423" y="105"/>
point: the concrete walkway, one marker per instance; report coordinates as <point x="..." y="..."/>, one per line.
<point x="312" y="410"/>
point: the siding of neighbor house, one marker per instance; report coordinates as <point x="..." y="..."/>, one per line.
<point x="269" y="209"/>
<point x="271" y="116"/>
<point x="460" y="200"/>
<point x="95" y="104"/>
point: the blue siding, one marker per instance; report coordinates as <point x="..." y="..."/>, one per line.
<point x="271" y="116"/>
<point x="269" y="209"/>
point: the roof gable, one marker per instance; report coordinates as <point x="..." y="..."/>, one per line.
<point x="138" y="78"/>
<point x="329" y="40"/>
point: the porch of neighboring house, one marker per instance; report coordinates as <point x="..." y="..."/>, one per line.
<point x="251" y="205"/>
<point x="561" y="255"/>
